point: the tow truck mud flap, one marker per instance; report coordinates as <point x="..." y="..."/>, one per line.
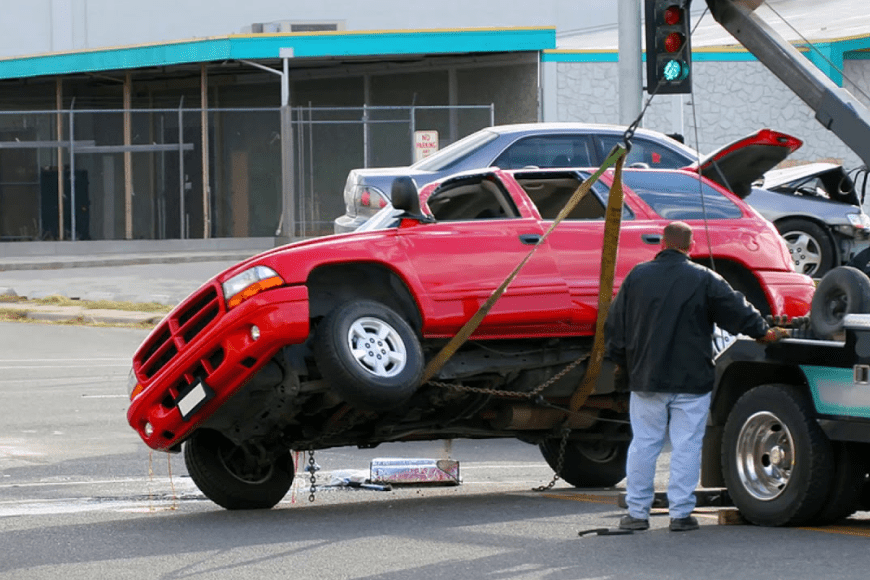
<point x="403" y="471"/>
<point x="704" y="498"/>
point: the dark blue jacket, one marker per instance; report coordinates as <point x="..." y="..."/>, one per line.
<point x="660" y="326"/>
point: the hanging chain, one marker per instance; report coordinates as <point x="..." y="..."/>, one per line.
<point x="312" y="478"/>
<point x="487" y="391"/>
<point x="515" y="394"/>
<point x="566" y="431"/>
<point x="560" y="461"/>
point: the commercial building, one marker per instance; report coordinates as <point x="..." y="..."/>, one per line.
<point x="184" y="122"/>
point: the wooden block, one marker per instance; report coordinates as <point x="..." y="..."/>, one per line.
<point x="731" y="517"/>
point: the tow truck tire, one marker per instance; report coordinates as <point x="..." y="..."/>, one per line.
<point x="811" y="248"/>
<point x="597" y="463"/>
<point x="850" y="475"/>
<point x="844" y="290"/>
<point x="369" y="355"/>
<point x="228" y="475"/>
<point x="776" y="460"/>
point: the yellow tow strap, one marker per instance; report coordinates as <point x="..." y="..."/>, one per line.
<point x="610" y="247"/>
<point x="616" y="156"/>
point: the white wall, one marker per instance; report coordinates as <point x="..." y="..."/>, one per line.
<point x="733" y="99"/>
<point x="39" y="26"/>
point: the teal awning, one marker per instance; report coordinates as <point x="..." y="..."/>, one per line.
<point x="268" y="46"/>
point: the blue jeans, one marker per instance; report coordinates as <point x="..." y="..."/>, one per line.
<point x="653" y="417"/>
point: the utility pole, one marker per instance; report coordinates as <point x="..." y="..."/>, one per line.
<point x="629" y="69"/>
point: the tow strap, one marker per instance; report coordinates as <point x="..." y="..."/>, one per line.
<point x="610" y="247"/>
<point x="608" y="259"/>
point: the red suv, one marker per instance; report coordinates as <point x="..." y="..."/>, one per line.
<point x="322" y="343"/>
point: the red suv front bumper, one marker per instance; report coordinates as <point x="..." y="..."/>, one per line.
<point x="201" y="354"/>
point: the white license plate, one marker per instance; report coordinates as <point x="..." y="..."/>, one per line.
<point x="193" y="399"/>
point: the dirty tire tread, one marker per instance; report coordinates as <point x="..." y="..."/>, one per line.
<point x="581" y="471"/>
<point x="850" y="472"/>
<point x="211" y="477"/>
<point x="352" y="384"/>
<point x="810" y="481"/>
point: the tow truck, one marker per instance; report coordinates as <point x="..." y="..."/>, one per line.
<point x="789" y="429"/>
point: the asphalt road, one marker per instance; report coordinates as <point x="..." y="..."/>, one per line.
<point x="82" y="497"/>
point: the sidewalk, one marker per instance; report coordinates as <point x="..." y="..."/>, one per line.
<point x="163" y="277"/>
<point x="55" y="262"/>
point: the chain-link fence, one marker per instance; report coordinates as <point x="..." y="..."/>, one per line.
<point x="155" y="174"/>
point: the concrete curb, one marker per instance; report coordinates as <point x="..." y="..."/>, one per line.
<point x="56" y="263"/>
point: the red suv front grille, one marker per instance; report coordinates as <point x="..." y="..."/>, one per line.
<point x="178" y="330"/>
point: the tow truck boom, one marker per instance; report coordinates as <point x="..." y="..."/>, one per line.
<point x="836" y="109"/>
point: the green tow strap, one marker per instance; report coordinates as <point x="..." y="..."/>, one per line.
<point x="617" y="156"/>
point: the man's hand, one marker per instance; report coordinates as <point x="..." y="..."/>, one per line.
<point x="774" y="334"/>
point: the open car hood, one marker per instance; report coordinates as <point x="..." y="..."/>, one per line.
<point x="822" y="180"/>
<point x="737" y="165"/>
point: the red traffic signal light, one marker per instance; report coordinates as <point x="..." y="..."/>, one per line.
<point x="674" y="42"/>
<point x="673" y="15"/>
<point x="668" y="50"/>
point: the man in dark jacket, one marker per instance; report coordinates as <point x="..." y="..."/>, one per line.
<point x="659" y="331"/>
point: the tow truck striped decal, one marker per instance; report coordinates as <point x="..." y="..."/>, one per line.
<point x="836" y="392"/>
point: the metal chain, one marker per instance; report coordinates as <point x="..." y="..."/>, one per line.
<point x="334" y="431"/>
<point x="312" y="478"/>
<point x="515" y="394"/>
<point x="560" y="461"/>
<point x="566" y="431"/>
<point x="496" y="392"/>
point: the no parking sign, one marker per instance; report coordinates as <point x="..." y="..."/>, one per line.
<point x="425" y="144"/>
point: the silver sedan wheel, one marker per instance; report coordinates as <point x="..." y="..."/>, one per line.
<point x="805" y="250"/>
<point x="765" y="456"/>
<point x="377" y="347"/>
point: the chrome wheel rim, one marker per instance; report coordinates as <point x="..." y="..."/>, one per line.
<point x="377" y="347"/>
<point x="765" y="456"/>
<point x="805" y="252"/>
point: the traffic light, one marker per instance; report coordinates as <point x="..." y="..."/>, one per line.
<point x="668" y="47"/>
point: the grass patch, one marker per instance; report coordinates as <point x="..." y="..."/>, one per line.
<point x="21" y="316"/>
<point x="13" y="315"/>
<point x="105" y="304"/>
<point x="9" y="299"/>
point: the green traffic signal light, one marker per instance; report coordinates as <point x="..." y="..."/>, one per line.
<point x="675" y="70"/>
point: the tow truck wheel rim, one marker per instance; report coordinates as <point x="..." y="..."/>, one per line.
<point x="765" y="456"/>
<point x="377" y="347"/>
<point x="837" y="305"/>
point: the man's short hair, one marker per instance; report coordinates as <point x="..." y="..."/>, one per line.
<point x="678" y="235"/>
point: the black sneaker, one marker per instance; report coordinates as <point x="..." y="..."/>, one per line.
<point x="685" y="524"/>
<point x="630" y="523"/>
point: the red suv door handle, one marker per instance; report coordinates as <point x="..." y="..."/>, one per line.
<point x="530" y="239"/>
<point x="651" y="238"/>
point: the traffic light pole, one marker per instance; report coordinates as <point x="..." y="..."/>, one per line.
<point x="835" y="107"/>
<point x="629" y="67"/>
